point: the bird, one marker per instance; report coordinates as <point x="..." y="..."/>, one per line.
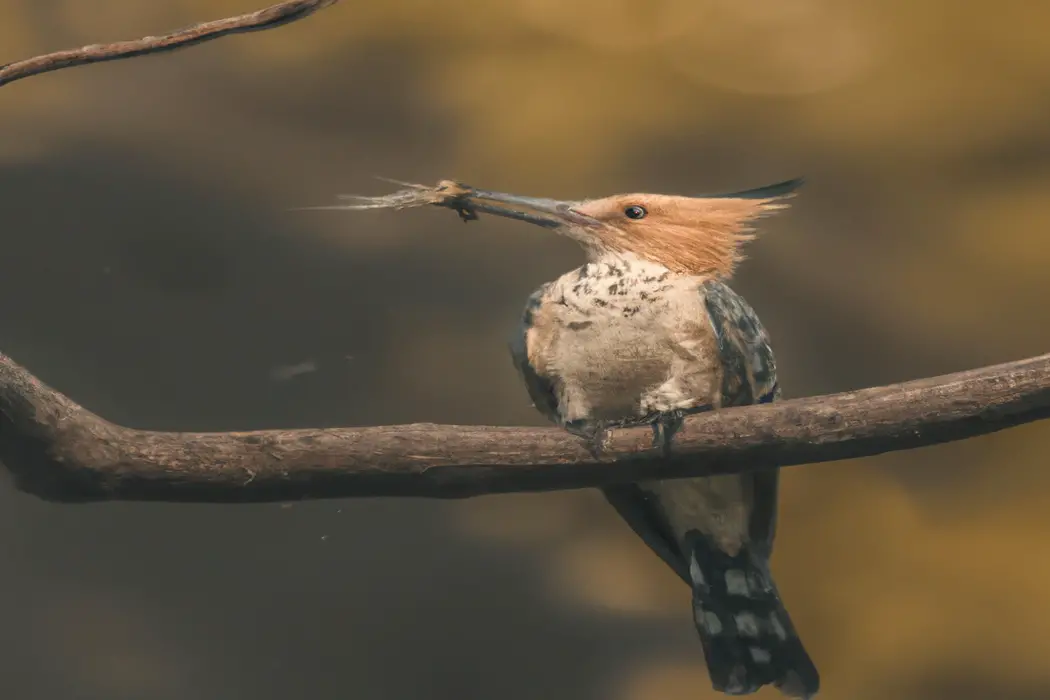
<point x="648" y="331"/>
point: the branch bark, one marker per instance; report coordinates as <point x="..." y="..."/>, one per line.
<point x="274" y="16"/>
<point x="60" y="451"/>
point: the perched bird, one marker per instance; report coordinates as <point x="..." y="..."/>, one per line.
<point x="647" y="331"/>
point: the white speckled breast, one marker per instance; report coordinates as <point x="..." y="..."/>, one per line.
<point x="621" y="337"/>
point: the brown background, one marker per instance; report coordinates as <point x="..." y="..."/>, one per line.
<point x="149" y="268"/>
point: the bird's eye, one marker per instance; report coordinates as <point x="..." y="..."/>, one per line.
<point x="635" y="212"/>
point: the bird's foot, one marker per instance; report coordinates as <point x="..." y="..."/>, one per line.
<point x="595" y="432"/>
<point x="666" y="424"/>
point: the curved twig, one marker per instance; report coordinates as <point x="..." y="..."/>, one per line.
<point x="268" y="18"/>
<point x="60" y="451"/>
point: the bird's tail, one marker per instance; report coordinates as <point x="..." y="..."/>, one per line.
<point x="748" y="638"/>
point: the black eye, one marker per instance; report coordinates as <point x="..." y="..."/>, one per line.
<point x="635" y="212"/>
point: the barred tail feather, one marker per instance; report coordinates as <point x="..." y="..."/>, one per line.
<point x="747" y="636"/>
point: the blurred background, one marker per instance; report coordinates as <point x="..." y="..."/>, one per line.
<point x="151" y="270"/>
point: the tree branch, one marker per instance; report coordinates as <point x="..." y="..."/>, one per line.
<point x="268" y="18"/>
<point x="60" y="451"/>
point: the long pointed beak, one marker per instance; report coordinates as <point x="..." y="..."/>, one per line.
<point x="549" y="213"/>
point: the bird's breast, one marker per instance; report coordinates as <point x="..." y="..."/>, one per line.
<point x="608" y="337"/>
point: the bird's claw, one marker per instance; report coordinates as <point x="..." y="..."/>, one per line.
<point x="596" y="433"/>
<point x="665" y="424"/>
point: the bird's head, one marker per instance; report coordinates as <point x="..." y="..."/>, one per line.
<point x="701" y="235"/>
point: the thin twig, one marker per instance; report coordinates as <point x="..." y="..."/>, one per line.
<point x="268" y="18"/>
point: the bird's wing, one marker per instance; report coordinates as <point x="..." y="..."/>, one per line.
<point x="641" y="510"/>
<point x="749" y="376"/>
<point x="541" y="389"/>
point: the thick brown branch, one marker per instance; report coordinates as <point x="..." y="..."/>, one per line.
<point x="268" y="18"/>
<point x="60" y="451"/>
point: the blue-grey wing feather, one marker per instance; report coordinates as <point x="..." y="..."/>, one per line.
<point x="749" y="376"/>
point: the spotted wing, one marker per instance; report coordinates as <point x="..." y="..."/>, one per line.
<point x="749" y="376"/>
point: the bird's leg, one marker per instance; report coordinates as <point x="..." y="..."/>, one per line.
<point x="667" y="423"/>
<point x="595" y="432"/>
<point x="664" y="424"/>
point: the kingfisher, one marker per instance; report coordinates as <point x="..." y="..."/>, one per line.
<point x="648" y="331"/>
